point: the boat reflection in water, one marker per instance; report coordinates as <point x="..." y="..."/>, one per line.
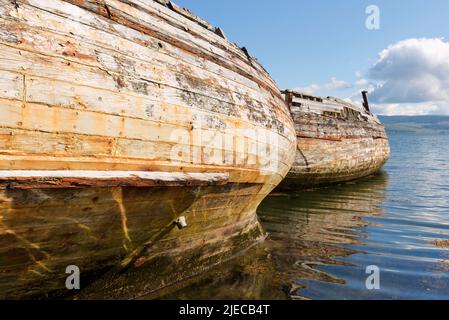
<point x="311" y="235"/>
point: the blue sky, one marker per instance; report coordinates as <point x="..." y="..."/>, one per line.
<point x="311" y="42"/>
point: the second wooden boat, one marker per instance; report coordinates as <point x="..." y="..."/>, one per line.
<point x="337" y="141"/>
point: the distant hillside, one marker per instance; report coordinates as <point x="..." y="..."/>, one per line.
<point x="418" y="124"/>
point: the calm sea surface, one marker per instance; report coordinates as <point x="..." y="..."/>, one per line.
<point x="322" y="241"/>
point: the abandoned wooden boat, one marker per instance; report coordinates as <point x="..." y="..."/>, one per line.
<point x="132" y="135"/>
<point x="336" y="141"/>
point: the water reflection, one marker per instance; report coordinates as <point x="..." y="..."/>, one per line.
<point x="314" y="229"/>
<point x="321" y="241"/>
<point x="307" y="230"/>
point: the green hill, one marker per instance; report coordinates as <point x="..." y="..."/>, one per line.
<point x="416" y="124"/>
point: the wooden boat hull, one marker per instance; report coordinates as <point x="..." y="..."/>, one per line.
<point x="46" y="230"/>
<point x="336" y="142"/>
<point x="96" y="89"/>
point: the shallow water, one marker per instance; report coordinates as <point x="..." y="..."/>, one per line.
<point x="322" y="241"/>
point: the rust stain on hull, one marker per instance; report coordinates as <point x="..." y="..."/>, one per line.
<point x="108" y="86"/>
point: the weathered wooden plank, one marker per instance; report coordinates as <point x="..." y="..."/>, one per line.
<point x="206" y="146"/>
<point x="27" y="142"/>
<point x="195" y="28"/>
<point x="11" y="85"/>
<point x="74" y="51"/>
<point x="143" y="85"/>
<point x="182" y="13"/>
<point x="143" y="23"/>
<point x="317" y="106"/>
<point x="33" y="179"/>
<point x="330" y="104"/>
<point x="237" y="174"/>
<point x="106" y="40"/>
<point x="32" y="143"/>
<point x="72" y="94"/>
<point x="219" y="46"/>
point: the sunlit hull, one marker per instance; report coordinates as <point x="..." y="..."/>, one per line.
<point x="129" y="86"/>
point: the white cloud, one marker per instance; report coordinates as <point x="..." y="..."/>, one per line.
<point x="410" y="109"/>
<point x="412" y="71"/>
<point x="361" y="83"/>
<point x="409" y="77"/>
<point x="333" y="84"/>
